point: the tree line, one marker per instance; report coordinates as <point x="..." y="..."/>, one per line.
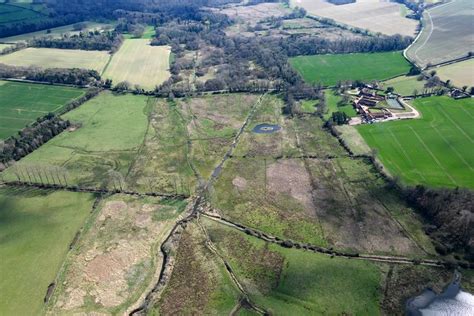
<point x="109" y="41"/>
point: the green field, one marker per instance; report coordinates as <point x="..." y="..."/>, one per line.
<point x="405" y="85"/>
<point x="460" y="74"/>
<point x="329" y="69"/>
<point x="57" y="58"/>
<point x="17" y="14"/>
<point x="333" y="105"/>
<point x="36" y="228"/>
<point x="436" y="150"/>
<point x="149" y="33"/>
<point x="23" y="103"/>
<point x="110" y="131"/>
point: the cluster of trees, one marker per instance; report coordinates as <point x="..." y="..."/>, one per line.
<point x="31" y="138"/>
<point x="96" y="40"/>
<point x="13" y="48"/>
<point x="449" y="216"/>
<point x="37" y="25"/>
<point x="75" y="76"/>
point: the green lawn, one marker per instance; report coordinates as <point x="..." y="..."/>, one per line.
<point x="405" y="85"/>
<point x="436" y="150"/>
<point x="111" y="129"/>
<point x="329" y="69"/>
<point x="23" y="103"/>
<point x="36" y="228"/>
<point x="332" y="103"/>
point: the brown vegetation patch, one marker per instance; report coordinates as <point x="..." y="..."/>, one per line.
<point x="240" y="183"/>
<point x="255" y="13"/>
<point x="114" y="258"/>
<point x="290" y="177"/>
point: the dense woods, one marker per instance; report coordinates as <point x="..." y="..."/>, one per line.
<point x="75" y="76"/>
<point x="109" y="41"/>
<point x="449" y="216"/>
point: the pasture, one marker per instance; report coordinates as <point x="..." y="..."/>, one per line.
<point x="10" y="14"/>
<point x="108" y="133"/>
<point x="22" y="103"/>
<point x="460" y="73"/>
<point x="436" y="150"/>
<point x="405" y="85"/>
<point x="447" y="34"/>
<point x="329" y="69"/>
<point x="334" y="104"/>
<point x="139" y="63"/>
<point x="56" y="32"/>
<point x="373" y="15"/>
<point x="57" y="58"/>
<point x="36" y="229"/>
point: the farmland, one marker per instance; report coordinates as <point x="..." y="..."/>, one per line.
<point x="57" y="58"/>
<point x="329" y="69"/>
<point x="140" y="64"/>
<point x="335" y="103"/>
<point x="117" y="251"/>
<point x="460" y="73"/>
<point x="103" y="141"/>
<point x="36" y="230"/>
<point x="23" y="103"/>
<point x="435" y="150"/>
<point x="16" y="14"/>
<point x="405" y="85"/>
<point x="373" y="15"/>
<point x="446" y="34"/>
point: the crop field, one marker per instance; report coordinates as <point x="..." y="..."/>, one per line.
<point x="140" y="64"/>
<point x="332" y="201"/>
<point x="461" y="73"/>
<point x="435" y="150"/>
<point x="447" y="34"/>
<point x="23" y="103"/>
<point x="17" y="14"/>
<point x="101" y="147"/>
<point x="374" y="15"/>
<point x="116" y="260"/>
<point x="405" y="85"/>
<point x="329" y="69"/>
<point x="36" y="229"/>
<point x="57" y="58"/>
<point x="56" y="32"/>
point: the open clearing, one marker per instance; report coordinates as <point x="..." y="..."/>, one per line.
<point x="460" y="73"/>
<point x="23" y="103"/>
<point x="56" y="32"/>
<point x="373" y="15"/>
<point x="447" y="34"/>
<point x="36" y="228"/>
<point x="436" y="150"/>
<point x="57" y="58"/>
<point x="110" y="129"/>
<point x="329" y="69"/>
<point x="116" y="259"/>
<point x="405" y="85"/>
<point x="140" y="63"/>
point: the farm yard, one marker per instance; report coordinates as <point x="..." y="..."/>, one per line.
<point x="57" y="58"/>
<point x="22" y="103"/>
<point x="37" y="227"/>
<point x="434" y="150"/>
<point x="447" y="34"/>
<point x="330" y="69"/>
<point x="140" y="64"/>
<point x="460" y="74"/>
<point x="373" y="15"/>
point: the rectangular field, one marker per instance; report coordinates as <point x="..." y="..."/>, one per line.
<point x="436" y="150"/>
<point x="140" y="63"/>
<point x="16" y="14"/>
<point x="57" y="58"/>
<point x="23" y="103"/>
<point x="36" y="229"/>
<point x="405" y="85"/>
<point x="374" y="15"/>
<point x="329" y="69"/>
<point x="461" y="73"/>
<point x="447" y="33"/>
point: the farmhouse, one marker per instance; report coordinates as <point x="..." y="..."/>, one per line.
<point x="366" y="105"/>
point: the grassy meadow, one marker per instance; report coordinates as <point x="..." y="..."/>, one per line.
<point x="36" y="228"/>
<point x="23" y="103"/>
<point x="57" y="58"/>
<point x="436" y="150"/>
<point x="139" y="63"/>
<point x="334" y="104"/>
<point x="110" y="130"/>
<point x="405" y="85"/>
<point x="460" y="74"/>
<point x="329" y="69"/>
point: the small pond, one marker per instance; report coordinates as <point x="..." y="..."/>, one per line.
<point x="266" y="128"/>
<point x="452" y="301"/>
